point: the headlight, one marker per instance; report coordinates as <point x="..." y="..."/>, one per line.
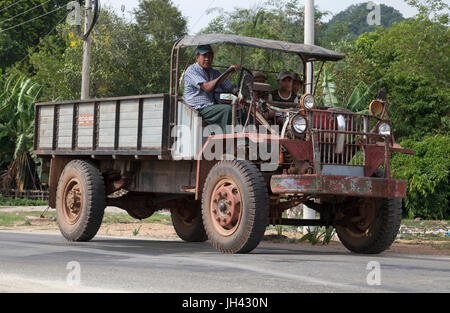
<point x="307" y="101"/>
<point x="376" y="107"/>
<point x="299" y="124"/>
<point x="384" y="129"/>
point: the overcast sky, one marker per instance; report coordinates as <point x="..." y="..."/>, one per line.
<point x="195" y="10"/>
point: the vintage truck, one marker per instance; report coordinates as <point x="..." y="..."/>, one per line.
<point x="128" y="152"/>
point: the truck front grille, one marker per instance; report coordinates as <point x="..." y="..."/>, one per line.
<point x="352" y="137"/>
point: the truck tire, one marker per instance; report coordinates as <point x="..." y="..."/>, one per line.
<point x="80" y="201"/>
<point x="235" y="206"/>
<point x="188" y="224"/>
<point x="373" y="225"/>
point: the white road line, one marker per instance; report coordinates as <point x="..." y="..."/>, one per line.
<point x="19" y="284"/>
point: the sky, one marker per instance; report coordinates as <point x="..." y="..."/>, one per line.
<point x="195" y="11"/>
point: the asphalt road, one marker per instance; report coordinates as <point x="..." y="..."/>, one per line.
<point x="39" y="263"/>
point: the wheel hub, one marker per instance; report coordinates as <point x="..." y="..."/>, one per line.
<point x="363" y="217"/>
<point x="226" y="207"/>
<point x="73" y="201"/>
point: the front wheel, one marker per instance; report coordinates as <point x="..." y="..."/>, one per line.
<point x="235" y="206"/>
<point x="370" y="226"/>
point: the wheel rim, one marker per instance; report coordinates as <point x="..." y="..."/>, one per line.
<point x="73" y="201"/>
<point x="226" y="207"/>
<point x="363" y="218"/>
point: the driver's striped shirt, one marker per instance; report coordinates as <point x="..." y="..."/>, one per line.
<point x="193" y="94"/>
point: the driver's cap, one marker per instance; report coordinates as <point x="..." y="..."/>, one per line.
<point x="204" y="49"/>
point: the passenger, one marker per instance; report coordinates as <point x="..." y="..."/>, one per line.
<point x="199" y="81"/>
<point x="283" y="94"/>
<point x="259" y="77"/>
<point x="297" y="85"/>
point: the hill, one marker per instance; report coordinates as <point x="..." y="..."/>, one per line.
<point x="352" y="22"/>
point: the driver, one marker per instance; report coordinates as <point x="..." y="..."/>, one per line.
<point x="199" y="81"/>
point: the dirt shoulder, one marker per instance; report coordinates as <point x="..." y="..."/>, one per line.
<point x="119" y="224"/>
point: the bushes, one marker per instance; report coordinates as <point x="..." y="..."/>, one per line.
<point x="428" y="176"/>
<point x="417" y="107"/>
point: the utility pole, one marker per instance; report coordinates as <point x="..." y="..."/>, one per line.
<point x="309" y="40"/>
<point x="85" y="79"/>
<point x="308" y="213"/>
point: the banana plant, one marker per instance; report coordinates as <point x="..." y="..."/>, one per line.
<point x="329" y="91"/>
<point x="359" y="100"/>
<point x="17" y="101"/>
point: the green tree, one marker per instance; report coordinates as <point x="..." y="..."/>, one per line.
<point x="428" y="176"/>
<point x="412" y="60"/>
<point x="15" y="42"/>
<point x="162" y="24"/>
<point x="125" y="59"/>
<point x="352" y="22"/>
<point x="276" y="20"/>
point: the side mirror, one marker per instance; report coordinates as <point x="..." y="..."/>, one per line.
<point x="246" y="87"/>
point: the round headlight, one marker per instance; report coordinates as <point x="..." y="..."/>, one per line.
<point x="376" y="107"/>
<point x="384" y="129"/>
<point x="299" y="124"/>
<point x="308" y="102"/>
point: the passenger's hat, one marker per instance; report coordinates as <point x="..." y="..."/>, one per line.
<point x="203" y="49"/>
<point x="259" y="74"/>
<point x="284" y="74"/>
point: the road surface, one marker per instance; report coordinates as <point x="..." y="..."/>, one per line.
<point x="45" y="263"/>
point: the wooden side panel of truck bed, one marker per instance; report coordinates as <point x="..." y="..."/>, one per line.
<point x="137" y="125"/>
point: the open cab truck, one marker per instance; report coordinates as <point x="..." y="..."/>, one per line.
<point x="127" y="152"/>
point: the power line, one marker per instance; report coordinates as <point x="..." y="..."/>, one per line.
<point x="29" y="21"/>
<point x="40" y="41"/>
<point x="10" y="6"/>
<point x="4" y="21"/>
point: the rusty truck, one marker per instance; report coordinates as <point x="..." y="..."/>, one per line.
<point x="125" y="152"/>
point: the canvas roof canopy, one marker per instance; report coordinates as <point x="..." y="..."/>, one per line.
<point x="307" y="52"/>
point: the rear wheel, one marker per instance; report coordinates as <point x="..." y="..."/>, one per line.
<point x="371" y="225"/>
<point x="235" y="206"/>
<point x="188" y="224"/>
<point x="80" y="201"/>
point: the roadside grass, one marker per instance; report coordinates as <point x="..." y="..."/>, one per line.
<point x="157" y="218"/>
<point x="425" y="223"/>
<point x="8" y="219"/>
<point x="21" y="218"/>
<point x="411" y="230"/>
<point x="21" y="202"/>
<point x="424" y="230"/>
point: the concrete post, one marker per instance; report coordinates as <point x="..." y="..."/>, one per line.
<point x="85" y="76"/>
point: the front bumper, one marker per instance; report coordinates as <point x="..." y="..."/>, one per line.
<point x="338" y="186"/>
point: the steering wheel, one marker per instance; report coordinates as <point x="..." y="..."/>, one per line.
<point x="241" y="78"/>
